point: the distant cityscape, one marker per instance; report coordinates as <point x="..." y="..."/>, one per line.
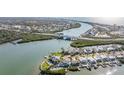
<point x="105" y="31"/>
<point x="43" y="25"/>
<point x="16" y="28"/>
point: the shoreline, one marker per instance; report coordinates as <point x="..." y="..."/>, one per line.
<point x="65" y="60"/>
<point x="40" y="37"/>
<point x="76" y="67"/>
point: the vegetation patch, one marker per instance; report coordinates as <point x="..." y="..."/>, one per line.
<point x="56" y="72"/>
<point x="73" y="69"/>
<point x="45" y="66"/>
<point x="57" y="54"/>
<point x="7" y="36"/>
<point x="28" y="37"/>
<point x="83" y="43"/>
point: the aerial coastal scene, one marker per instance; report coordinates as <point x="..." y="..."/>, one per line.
<point x="61" y="46"/>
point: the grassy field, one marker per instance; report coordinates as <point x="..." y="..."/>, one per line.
<point x="45" y="66"/>
<point x="83" y="43"/>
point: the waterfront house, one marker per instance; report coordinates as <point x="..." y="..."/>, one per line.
<point x="54" y="59"/>
<point x="75" y="63"/>
<point x="63" y="64"/>
<point x="110" y="49"/>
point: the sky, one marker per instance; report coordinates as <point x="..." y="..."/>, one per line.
<point x="104" y="20"/>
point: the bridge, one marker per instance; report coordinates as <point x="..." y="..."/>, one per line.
<point x="60" y="35"/>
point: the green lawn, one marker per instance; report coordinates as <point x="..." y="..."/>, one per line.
<point x="57" y="54"/>
<point x="45" y="66"/>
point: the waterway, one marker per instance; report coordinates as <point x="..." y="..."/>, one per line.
<point x="24" y="59"/>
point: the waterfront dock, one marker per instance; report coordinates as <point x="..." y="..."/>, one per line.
<point x="74" y="59"/>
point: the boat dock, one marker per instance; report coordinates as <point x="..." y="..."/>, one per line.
<point x="88" y="58"/>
